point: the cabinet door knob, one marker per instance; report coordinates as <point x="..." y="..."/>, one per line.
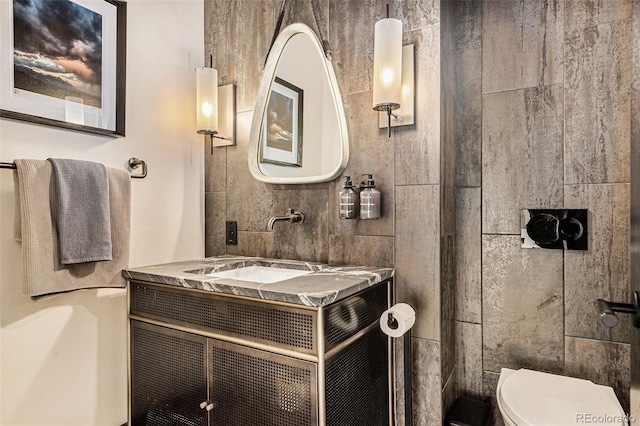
<point x="210" y="407"/>
<point x="204" y="404"/>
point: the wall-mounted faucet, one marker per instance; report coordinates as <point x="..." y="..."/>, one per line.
<point x="292" y="216"/>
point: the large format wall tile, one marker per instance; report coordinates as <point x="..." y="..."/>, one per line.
<point x="214" y="223"/>
<point x="635" y="72"/>
<point x="635" y="135"/>
<point x="468" y="256"/>
<point x="447" y="205"/>
<point x="399" y="385"/>
<point x="417" y="159"/>
<point x="215" y="40"/>
<point x="216" y="46"/>
<point x="215" y="163"/>
<point x="449" y="394"/>
<point x="370" y="152"/>
<point x="521" y="155"/>
<point x="313" y="13"/>
<point x="417" y="256"/>
<point x="469" y="359"/>
<point x="413" y="14"/>
<point x="302" y="241"/>
<point x="249" y="202"/>
<point x="427" y="383"/>
<point x="603" y="363"/>
<point x="522" y="44"/>
<point x="468" y="113"/>
<point x="247" y="50"/>
<point x="580" y="14"/>
<point x="258" y="244"/>
<point x="351" y="30"/>
<point x="603" y="270"/>
<point x="447" y="305"/>
<point x="521" y="306"/>
<point x="447" y="170"/>
<point x="597" y="114"/>
<point x="468" y="25"/>
<point x="361" y="250"/>
<point x="490" y="385"/>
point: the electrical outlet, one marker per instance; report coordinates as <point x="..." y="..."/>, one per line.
<point x="232" y="233"/>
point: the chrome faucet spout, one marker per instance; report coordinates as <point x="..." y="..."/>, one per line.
<point x="292" y="216"/>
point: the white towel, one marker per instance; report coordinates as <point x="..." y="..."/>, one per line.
<point x="42" y="272"/>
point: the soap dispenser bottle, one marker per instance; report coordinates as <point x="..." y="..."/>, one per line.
<point x="369" y="199"/>
<point x="349" y="200"/>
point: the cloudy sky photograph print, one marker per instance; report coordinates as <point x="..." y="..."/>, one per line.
<point x="58" y="49"/>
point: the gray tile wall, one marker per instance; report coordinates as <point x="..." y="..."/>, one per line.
<point x="407" y="169"/>
<point x="542" y="120"/>
<point x="447" y="207"/>
<point x="635" y="138"/>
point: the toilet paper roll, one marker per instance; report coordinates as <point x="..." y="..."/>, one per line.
<point x="397" y="320"/>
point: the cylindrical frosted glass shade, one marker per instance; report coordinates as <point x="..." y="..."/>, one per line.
<point x="387" y="64"/>
<point x="207" y="100"/>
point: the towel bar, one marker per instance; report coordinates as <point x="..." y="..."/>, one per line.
<point x="133" y="163"/>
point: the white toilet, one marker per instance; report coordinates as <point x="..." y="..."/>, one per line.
<point x="533" y="398"/>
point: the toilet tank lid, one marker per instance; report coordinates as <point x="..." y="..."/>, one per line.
<point x="535" y="398"/>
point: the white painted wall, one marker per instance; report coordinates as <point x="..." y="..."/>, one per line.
<point x="63" y="360"/>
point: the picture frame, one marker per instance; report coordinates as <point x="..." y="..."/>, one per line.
<point x="281" y="141"/>
<point x="66" y="73"/>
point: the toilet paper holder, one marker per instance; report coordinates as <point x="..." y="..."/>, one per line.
<point x="392" y="322"/>
<point x="608" y="311"/>
<point x="401" y="327"/>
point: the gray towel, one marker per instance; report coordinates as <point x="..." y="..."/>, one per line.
<point x="42" y="272"/>
<point x="82" y="211"/>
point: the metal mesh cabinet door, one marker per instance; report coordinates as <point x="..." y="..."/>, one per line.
<point x="358" y="383"/>
<point x="259" y="388"/>
<point x="168" y="376"/>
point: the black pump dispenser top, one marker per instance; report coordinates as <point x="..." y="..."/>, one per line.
<point x="348" y="183"/>
<point x="368" y="183"/>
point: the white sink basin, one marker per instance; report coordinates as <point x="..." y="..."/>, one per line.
<point x="259" y="274"/>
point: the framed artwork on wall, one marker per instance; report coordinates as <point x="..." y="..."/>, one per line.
<point x="282" y="133"/>
<point x="63" y="62"/>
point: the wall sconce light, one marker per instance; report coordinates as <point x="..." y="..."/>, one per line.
<point x="216" y="108"/>
<point x="393" y="76"/>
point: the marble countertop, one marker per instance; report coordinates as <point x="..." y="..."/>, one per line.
<point x="323" y="286"/>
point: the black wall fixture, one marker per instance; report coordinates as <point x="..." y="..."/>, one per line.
<point x="564" y="229"/>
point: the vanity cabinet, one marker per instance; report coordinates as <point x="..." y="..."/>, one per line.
<point x="204" y="358"/>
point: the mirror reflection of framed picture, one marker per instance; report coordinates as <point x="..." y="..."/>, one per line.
<point x="62" y="63"/>
<point x="282" y="133"/>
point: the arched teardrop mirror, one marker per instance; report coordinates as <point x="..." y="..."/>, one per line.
<point x="299" y="132"/>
